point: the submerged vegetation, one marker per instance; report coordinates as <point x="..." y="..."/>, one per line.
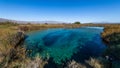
<point x="13" y="54"/>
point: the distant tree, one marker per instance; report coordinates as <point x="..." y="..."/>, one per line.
<point x="77" y="22"/>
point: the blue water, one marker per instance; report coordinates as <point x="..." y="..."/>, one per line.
<point x="62" y="44"/>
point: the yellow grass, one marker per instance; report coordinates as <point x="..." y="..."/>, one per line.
<point x="6" y="49"/>
<point x="11" y="57"/>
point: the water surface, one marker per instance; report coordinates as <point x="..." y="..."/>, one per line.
<point x="62" y="44"/>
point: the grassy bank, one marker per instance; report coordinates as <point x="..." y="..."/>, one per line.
<point x="14" y="56"/>
<point x="111" y="36"/>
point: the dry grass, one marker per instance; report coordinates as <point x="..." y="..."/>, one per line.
<point x="8" y="53"/>
<point x="37" y="62"/>
<point x="11" y="57"/>
<point x="32" y="27"/>
<point x="111" y="36"/>
<point x="91" y="63"/>
<point x="5" y="47"/>
<point x="15" y="57"/>
<point x="110" y="30"/>
<point x="95" y="63"/>
<point x="74" y="64"/>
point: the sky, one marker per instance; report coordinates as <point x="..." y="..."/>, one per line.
<point x="85" y="11"/>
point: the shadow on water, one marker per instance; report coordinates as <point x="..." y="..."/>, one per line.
<point x="50" y="39"/>
<point x="90" y="49"/>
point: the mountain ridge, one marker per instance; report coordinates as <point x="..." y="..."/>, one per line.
<point x="35" y="22"/>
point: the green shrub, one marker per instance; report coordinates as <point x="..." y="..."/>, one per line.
<point x="76" y="22"/>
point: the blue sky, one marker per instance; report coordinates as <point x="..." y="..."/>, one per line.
<point x="84" y="11"/>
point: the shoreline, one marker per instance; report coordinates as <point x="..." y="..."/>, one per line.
<point x="110" y="34"/>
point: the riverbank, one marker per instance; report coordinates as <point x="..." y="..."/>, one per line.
<point x="16" y="57"/>
<point x="111" y="37"/>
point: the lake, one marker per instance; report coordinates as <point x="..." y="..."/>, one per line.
<point x="62" y="44"/>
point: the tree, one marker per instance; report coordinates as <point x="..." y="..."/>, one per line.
<point x="77" y="22"/>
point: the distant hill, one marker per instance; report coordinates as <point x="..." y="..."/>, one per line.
<point x="50" y="22"/>
<point x="4" y="20"/>
<point x="25" y="22"/>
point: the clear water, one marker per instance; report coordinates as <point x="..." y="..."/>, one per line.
<point x="62" y="44"/>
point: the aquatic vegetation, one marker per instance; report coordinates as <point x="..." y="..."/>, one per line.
<point x="62" y="44"/>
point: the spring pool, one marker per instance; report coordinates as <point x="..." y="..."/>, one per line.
<point x="63" y="44"/>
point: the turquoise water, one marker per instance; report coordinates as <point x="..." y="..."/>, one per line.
<point x="62" y="44"/>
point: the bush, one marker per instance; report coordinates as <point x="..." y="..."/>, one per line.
<point x="77" y="23"/>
